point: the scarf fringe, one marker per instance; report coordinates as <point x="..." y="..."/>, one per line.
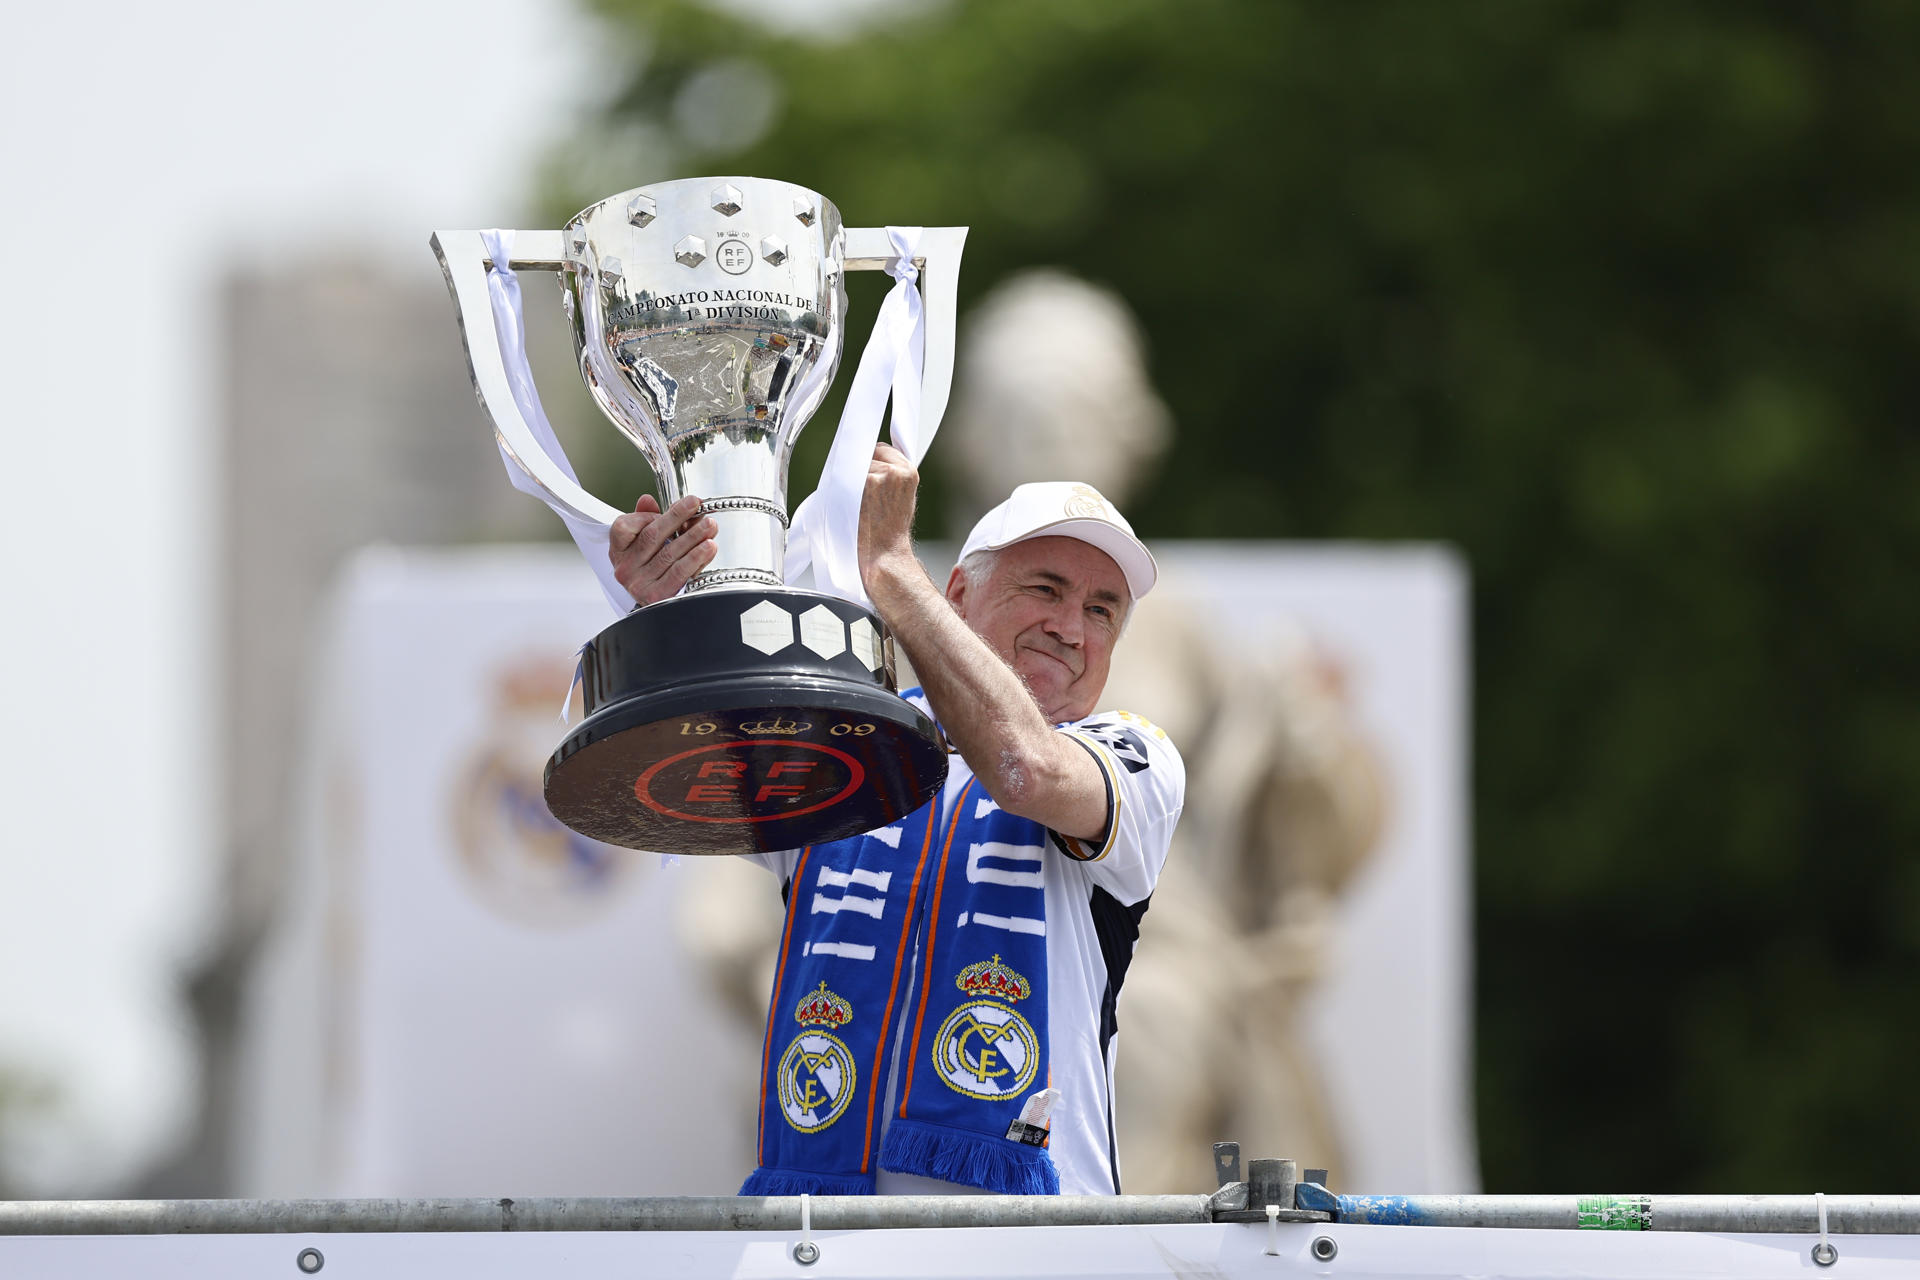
<point x="971" y="1159"/>
<point x="795" y="1182"/>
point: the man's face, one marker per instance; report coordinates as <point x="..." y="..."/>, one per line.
<point x="1053" y="608"/>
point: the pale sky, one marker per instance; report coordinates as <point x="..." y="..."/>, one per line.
<point x="143" y="150"/>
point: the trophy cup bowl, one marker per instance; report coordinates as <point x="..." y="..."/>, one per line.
<point x="742" y="715"/>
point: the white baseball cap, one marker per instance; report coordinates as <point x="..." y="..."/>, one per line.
<point x="1066" y="509"/>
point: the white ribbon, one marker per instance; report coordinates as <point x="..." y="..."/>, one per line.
<point x="503" y="291"/>
<point x="825" y="536"/>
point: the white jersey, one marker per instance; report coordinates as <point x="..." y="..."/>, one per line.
<point x="1095" y="898"/>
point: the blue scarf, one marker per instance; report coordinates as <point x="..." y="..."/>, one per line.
<point x="964" y="886"/>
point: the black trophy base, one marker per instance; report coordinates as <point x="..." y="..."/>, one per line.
<point x="741" y="722"/>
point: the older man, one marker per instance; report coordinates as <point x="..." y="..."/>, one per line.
<point x="943" y="1005"/>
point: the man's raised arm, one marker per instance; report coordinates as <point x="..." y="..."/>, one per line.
<point x="982" y="703"/>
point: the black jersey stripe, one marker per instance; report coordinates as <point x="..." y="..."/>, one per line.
<point x="1113" y="1142"/>
<point x="1117" y="927"/>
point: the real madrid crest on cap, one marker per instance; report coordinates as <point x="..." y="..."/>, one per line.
<point x="816" y="1071"/>
<point x="1087" y="503"/>
<point x="985" y="1049"/>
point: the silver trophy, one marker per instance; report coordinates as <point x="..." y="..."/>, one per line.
<point x="708" y="315"/>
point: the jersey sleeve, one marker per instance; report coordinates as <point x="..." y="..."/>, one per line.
<point x="1146" y="789"/>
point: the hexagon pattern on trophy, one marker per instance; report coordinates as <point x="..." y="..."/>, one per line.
<point x="766" y="627"/>
<point x="822" y="631"/>
<point x="865" y="642"/>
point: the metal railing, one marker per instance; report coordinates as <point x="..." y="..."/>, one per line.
<point x="1273" y="1191"/>
<point x="1846" y="1215"/>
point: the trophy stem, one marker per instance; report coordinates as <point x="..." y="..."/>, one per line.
<point x="751" y="544"/>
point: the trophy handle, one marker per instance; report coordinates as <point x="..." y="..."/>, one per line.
<point x="463" y="257"/>
<point x="868" y="249"/>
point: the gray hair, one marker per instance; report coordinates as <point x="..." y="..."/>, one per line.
<point x="978" y="566"/>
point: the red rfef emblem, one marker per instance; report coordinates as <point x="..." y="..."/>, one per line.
<point x="753" y="780"/>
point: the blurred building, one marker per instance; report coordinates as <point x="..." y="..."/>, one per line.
<point x="348" y="419"/>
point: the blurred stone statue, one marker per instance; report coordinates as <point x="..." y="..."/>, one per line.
<point x="1284" y="794"/>
<point x="1050" y="383"/>
<point x="1285" y="800"/>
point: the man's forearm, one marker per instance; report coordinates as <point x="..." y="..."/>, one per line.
<point x="982" y="704"/>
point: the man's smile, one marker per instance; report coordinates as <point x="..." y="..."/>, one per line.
<point x="1052" y="656"/>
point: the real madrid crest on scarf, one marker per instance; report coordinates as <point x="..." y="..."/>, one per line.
<point x="985" y="1049"/>
<point x="817" y="1074"/>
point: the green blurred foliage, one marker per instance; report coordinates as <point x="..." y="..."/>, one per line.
<point x="1623" y="299"/>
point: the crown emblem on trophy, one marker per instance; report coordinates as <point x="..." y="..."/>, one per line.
<point x="822" y="1008"/>
<point x="778" y="725"/>
<point x="991" y="978"/>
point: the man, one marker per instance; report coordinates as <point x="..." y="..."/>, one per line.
<point x="943" y="1004"/>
